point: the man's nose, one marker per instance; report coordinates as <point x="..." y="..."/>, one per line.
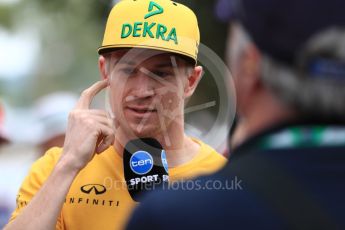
<point x="143" y="86"/>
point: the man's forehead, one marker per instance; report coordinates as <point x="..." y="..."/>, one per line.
<point x="136" y="56"/>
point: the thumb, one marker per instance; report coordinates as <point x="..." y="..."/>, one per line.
<point x="106" y="142"/>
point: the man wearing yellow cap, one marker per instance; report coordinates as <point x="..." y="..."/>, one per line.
<point x="148" y="61"/>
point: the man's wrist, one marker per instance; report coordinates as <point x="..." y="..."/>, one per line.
<point x="68" y="165"/>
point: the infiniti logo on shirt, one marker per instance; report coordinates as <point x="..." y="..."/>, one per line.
<point x="96" y="188"/>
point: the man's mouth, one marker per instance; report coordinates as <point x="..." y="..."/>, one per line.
<point x="142" y="110"/>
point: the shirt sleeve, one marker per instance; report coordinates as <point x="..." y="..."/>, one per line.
<point x="36" y="177"/>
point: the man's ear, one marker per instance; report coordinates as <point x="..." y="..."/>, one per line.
<point x="193" y="80"/>
<point x="251" y="66"/>
<point x="103" y="67"/>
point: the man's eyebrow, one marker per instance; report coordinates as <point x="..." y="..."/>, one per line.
<point x="127" y="62"/>
<point x="162" y="65"/>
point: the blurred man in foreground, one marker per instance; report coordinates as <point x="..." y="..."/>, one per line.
<point x="287" y="171"/>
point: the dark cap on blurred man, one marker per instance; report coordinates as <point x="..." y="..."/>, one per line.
<point x="282" y="29"/>
<point x="297" y="51"/>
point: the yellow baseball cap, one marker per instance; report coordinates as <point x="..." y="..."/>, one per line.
<point x="152" y="24"/>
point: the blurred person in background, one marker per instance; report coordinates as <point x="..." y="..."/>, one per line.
<point x="3" y="137"/>
<point x="5" y="209"/>
<point x="149" y="72"/>
<point x="15" y="158"/>
<point x="44" y="129"/>
<point x="51" y="115"/>
<point x="288" y="165"/>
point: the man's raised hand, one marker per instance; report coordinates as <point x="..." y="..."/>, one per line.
<point x="89" y="131"/>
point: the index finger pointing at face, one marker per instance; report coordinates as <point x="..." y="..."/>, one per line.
<point x="88" y="94"/>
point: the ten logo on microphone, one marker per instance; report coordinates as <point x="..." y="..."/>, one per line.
<point x="164" y="161"/>
<point x="145" y="166"/>
<point x="141" y="162"/>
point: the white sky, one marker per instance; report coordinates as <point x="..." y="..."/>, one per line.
<point x="8" y="2"/>
<point x="18" y="53"/>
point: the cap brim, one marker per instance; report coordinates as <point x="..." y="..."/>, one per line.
<point x="107" y="49"/>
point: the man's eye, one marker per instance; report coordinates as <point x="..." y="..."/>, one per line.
<point x="127" y="71"/>
<point x="162" y="74"/>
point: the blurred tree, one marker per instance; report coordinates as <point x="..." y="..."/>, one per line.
<point x="5" y="16"/>
<point x="213" y="34"/>
<point x="70" y="33"/>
